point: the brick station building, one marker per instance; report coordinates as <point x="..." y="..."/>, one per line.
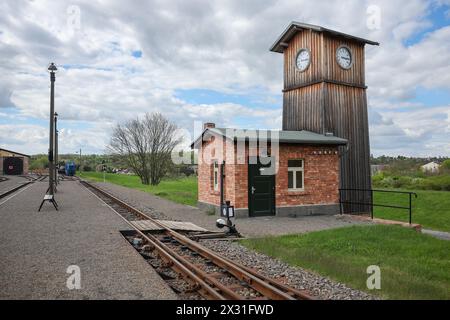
<point x="13" y="163"/>
<point x="267" y="173"/>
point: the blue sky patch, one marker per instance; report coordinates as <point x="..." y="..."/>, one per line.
<point x="439" y="19"/>
<point x="137" y="54"/>
<point x="432" y="97"/>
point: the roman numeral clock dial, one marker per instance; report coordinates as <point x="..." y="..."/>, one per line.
<point x="344" y="57"/>
<point x="303" y="59"/>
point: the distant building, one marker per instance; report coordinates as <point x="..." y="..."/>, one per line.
<point x="13" y="163"/>
<point x="376" y="168"/>
<point x="431" y="167"/>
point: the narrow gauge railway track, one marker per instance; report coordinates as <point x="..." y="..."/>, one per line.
<point x="20" y="186"/>
<point x="208" y="274"/>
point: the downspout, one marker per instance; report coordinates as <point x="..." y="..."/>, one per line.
<point x="222" y="178"/>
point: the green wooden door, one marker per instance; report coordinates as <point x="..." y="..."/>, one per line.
<point x="261" y="190"/>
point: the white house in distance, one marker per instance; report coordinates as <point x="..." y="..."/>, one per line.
<point x="431" y="167"/>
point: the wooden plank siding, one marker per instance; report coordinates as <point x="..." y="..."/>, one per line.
<point x="292" y="76"/>
<point x="327" y="98"/>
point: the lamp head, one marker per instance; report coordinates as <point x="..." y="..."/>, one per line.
<point x="220" y="223"/>
<point x="52" y="68"/>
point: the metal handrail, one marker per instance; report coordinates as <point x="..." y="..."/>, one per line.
<point x="371" y="204"/>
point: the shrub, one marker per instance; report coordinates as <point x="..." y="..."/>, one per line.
<point x="440" y="183"/>
<point x="446" y="164"/>
<point x="376" y="179"/>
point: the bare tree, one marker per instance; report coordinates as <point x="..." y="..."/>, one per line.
<point x="147" y="145"/>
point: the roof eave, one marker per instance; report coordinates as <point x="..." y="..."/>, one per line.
<point x="294" y="27"/>
<point x="18" y="153"/>
<point x="340" y="142"/>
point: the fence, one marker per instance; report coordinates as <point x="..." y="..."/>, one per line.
<point x="344" y="194"/>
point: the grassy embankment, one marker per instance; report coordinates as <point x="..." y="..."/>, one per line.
<point x="413" y="265"/>
<point x="431" y="208"/>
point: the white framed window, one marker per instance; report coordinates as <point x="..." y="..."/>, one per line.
<point x="216" y="176"/>
<point x="296" y="177"/>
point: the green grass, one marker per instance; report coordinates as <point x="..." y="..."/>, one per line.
<point x="413" y="265"/>
<point x="431" y="209"/>
<point x="183" y="190"/>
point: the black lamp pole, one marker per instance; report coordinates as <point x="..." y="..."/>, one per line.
<point x="52" y="69"/>
<point x="56" y="148"/>
<point x="51" y="191"/>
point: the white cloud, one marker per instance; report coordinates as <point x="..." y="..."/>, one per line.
<point x="216" y="45"/>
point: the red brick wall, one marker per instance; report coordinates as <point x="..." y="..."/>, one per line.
<point x="211" y="151"/>
<point x="321" y="175"/>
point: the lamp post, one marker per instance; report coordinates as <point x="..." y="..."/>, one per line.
<point x="56" y="148"/>
<point x="49" y="196"/>
<point x="80" y="159"/>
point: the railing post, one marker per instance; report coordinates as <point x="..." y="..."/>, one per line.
<point x="340" y="202"/>
<point x="410" y="208"/>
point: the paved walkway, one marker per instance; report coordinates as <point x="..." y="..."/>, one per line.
<point x="37" y="248"/>
<point x="437" y="234"/>
<point x="249" y="227"/>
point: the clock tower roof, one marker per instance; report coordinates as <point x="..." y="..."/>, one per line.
<point x="294" y="27"/>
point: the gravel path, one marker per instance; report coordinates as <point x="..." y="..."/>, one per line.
<point x="437" y="234"/>
<point x="37" y="248"/>
<point x="299" y="278"/>
<point x="160" y="208"/>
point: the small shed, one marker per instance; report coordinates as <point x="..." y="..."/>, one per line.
<point x="13" y="163"/>
<point x="268" y="173"/>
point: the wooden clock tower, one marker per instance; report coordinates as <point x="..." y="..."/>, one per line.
<point x="325" y="92"/>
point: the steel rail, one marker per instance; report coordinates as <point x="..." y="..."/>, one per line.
<point x="206" y="290"/>
<point x="230" y="294"/>
<point x="264" y="285"/>
<point x="14" y="189"/>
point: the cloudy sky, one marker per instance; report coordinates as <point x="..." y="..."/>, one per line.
<point x="198" y="61"/>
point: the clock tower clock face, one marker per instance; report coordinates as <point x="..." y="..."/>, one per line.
<point x="303" y="59"/>
<point x="344" y="57"/>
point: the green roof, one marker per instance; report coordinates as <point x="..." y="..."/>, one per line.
<point x="293" y="137"/>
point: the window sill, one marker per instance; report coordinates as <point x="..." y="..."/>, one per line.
<point x="297" y="193"/>
<point x="215" y="193"/>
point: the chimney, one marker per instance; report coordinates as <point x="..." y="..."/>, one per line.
<point x="209" y="125"/>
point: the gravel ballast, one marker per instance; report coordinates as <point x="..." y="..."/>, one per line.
<point x="318" y="286"/>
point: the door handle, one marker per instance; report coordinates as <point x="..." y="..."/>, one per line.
<point x="253" y="190"/>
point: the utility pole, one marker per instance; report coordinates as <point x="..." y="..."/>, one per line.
<point x="80" y="163"/>
<point x="50" y="195"/>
